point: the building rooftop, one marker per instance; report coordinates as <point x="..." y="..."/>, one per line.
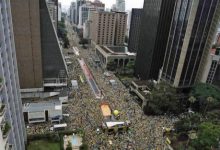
<point x="117" y="50"/>
<point x="41" y="106"/>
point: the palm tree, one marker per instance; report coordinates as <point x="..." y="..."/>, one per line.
<point x="208" y="100"/>
<point x="192" y="100"/>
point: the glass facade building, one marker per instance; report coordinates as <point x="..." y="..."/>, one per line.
<point x="134" y="30"/>
<point x="154" y="31"/>
<point x="190" y="38"/>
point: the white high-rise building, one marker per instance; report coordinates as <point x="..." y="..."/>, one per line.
<point x="120" y="5"/>
<point x="86" y="9"/>
<point x="59" y="11"/>
<point x="72" y="12"/>
<point x="12" y="131"/>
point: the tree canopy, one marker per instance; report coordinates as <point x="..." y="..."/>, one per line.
<point x="208" y="136"/>
<point x="162" y="100"/>
<point x="204" y="90"/>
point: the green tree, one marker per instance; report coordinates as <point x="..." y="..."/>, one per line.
<point x="208" y="136"/>
<point x="209" y="100"/>
<point x="192" y="100"/>
<point x="202" y="92"/>
<point x="162" y="99"/>
<point x="190" y="122"/>
<point x="213" y="116"/>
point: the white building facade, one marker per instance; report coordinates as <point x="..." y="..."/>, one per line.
<point x="59" y="11"/>
<point x="84" y="12"/>
<point x="72" y="12"/>
<point x="12" y="132"/>
<point x="120" y="5"/>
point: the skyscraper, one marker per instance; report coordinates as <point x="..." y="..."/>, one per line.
<point x="53" y="10"/>
<point x="40" y="60"/>
<point x="108" y="28"/>
<point x="103" y="27"/>
<point x="10" y="99"/>
<point x="78" y="4"/>
<point x="134" y="30"/>
<point x="191" y="35"/>
<point x="154" y="31"/>
<point x="86" y="9"/>
<point x="120" y="28"/>
<point x="73" y="13"/>
<point x="59" y="11"/>
<point x="120" y="5"/>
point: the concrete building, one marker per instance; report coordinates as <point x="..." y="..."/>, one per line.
<point x="117" y="54"/>
<point x="113" y="8"/>
<point x="108" y="28"/>
<point x="40" y="61"/>
<point x="210" y="74"/>
<point x="59" y="11"/>
<point x="133" y="42"/>
<point x="128" y="22"/>
<point x="73" y="13"/>
<point x="120" y="5"/>
<point x="190" y="41"/>
<point x="43" y="112"/>
<point x="155" y="26"/>
<point x="78" y="4"/>
<point x="103" y="27"/>
<point x="53" y="10"/>
<point x="86" y="9"/>
<point x="13" y="137"/>
<point x="120" y="28"/>
<point x="87" y="29"/>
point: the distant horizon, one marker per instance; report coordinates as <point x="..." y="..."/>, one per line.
<point x="108" y="3"/>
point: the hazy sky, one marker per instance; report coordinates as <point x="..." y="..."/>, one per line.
<point x="108" y="3"/>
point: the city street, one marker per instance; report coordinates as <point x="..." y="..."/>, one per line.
<point x="84" y="109"/>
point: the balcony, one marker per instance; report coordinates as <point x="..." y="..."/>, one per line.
<point x="5" y="129"/>
<point x="55" y="82"/>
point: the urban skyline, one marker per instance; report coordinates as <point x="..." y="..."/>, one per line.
<point x="101" y="77"/>
<point x="129" y="3"/>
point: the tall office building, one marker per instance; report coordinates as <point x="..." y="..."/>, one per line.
<point x="108" y="28"/>
<point x="78" y="4"/>
<point x="134" y="30"/>
<point x="53" y="10"/>
<point x="103" y="27"/>
<point x="192" y="31"/>
<point x="10" y="99"/>
<point x="40" y="60"/>
<point x="128" y="22"/>
<point x="211" y="74"/>
<point x="86" y="9"/>
<point x="155" y="25"/>
<point x="211" y="71"/>
<point x="120" y="5"/>
<point x="113" y="8"/>
<point x="120" y="28"/>
<point x="73" y="13"/>
<point x="59" y="11"/>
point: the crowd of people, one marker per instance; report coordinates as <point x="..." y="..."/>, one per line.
<point x="145" y="132"/>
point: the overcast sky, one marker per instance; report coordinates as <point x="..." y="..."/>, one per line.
<point x="108" y="3"/>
